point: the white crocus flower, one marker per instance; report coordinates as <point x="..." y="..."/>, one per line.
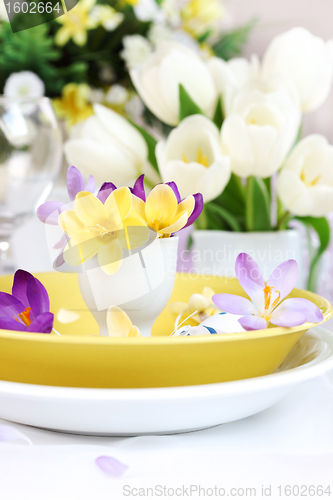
<point x="306" y="60"/>
<point x="157" y="81"/>
<point x="305" y="184"/>
<point x="136" y="50"/>
<point x="191" y="157"/>
<point x="259" y="132"/>
<point x="24" y="84"/>
<point x="107" y="143"/>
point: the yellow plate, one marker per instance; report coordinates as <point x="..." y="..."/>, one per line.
<point x="77" y="359"/>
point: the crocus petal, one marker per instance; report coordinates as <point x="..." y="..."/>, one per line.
<point x="138" y="188"/>
<point x="252" y="323"/>
<point x="284" y="277"/>
<point x="8" y="433"/>
<point x="175" y="226"/>
<point x="111" y="466"/>
<point x="306" y="307"/>
<point x="11" y="324"/>
<point x="10" y="306"/>
<point x="75" y="182"/>
<point x="119" y="204"/>
<point x="105" y="191"/>
<point x="38" y="297"/>
<point x="250" y="278"/>
<point x="49" y="212"/>
<point x="186" y="205"/>
<point x="62" y="242"/>
<point x="90" y="210"/>
<point x="19" y="289"/>
<point x="75" y="254"/>
<point x="70" y="223"/>
<point x="174" y="188"/>
<point x="198" y="207"/>
<point x="91" y="184"/>
<point x="110" y="256"/>
<point x="42" y="324"/>
<point x="287" y="318"/>
<point x="161" y="206"/>
<point x="234" y="304"/>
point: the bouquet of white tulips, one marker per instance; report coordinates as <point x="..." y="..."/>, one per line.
<point x="235" y="135"/>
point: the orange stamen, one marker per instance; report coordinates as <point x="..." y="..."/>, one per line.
<point x="277" y="300"/>
<point x="25" y="316"/>
<point x="268" y="294"/>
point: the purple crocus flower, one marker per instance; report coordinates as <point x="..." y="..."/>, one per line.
<point x="28" y="308"/>
<point x="49" y="211"/>
<point x="267" y="304"/>
<point x="139" y="191"/>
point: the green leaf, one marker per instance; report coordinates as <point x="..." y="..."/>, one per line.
<point x="187" y="106"/>
<point x="151" y="144"/>
<point x="218" y="118"/>
<point x="322" y="228"/>
<point x="258" y="205"/>
<point x="202" y="38"/>
<point x="228" y="217"/>
<point x="233" y="197"/>
<point x="232" y="43"/>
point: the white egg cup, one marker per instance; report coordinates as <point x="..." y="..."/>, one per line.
<point x="141" y="287"/>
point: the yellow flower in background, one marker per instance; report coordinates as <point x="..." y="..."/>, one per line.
<point x="75" y="23"/>
<point x="162" y="211"/>
<point x="200" y="16"/>
<point x="101" y="229"/>
<point x="202" y="303"/>
<point x="107" y="17"/>
<point x="73" y="106"/>
<point x="119" y="324"/>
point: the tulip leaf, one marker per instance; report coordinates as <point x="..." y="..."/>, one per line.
<point x="151" y="144"/>
<point x="232" y="43"/>
<point x="233" y="197"/>
<point x="187" y="106"/>
<point x="219" y="114"/>
<point x="258" y="205"/>
<point x="321" y="226"/>
<point x="225" y="215"/>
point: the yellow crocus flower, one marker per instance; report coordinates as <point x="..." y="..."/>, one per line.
<point x="73" y="105"/>
<point x="75" y="23"/>
<point x="101" y="229"/>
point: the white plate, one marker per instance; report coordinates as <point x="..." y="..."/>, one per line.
<point x="163" y="410"/>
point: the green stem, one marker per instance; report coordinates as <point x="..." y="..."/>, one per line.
<point x="284" y="221"/>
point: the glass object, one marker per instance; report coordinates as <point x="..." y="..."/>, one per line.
<point x="30" y="160"/>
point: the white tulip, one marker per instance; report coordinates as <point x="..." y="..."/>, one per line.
<point x="107" y="146"/>
<point x="241" y="75"/>
<point x="157" y="81"/>
<point x="191" y="157"/>
<point x="305" y="184"/>
<point x="258" y="134"/>
<point x="306" y="60"/>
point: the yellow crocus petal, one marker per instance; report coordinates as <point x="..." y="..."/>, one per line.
<point x="76" y="254"/>
<point x="133" y="236"/>
<point x="118" y="323"/>
<point x="70" y="223"/>
<point x="176" y="226"/>
<point x="177" y="307"/>
<point x="90" y="210"/>
<point x="186" y="205"/>
<point x="110" y="256"/>
<point x="138" y="206"/>
<point x="161" y="207"/>
<point x="118" y="204"/>
<point x="135" y="332"/>
<point x="208" y="293"/>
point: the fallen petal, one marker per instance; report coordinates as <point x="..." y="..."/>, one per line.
<point x="252" y="323"/>
<point x="111" y="466"/>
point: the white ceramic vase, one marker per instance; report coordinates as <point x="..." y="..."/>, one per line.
<point x="215" y="252"/>
<point x="141" y="287"/>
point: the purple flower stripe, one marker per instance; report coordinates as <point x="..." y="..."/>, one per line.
<point x="138" y="188"/>
<point x="198" y="207"/>
<point x="174" y="188"/>
<point x="111" y="466"/>
<point x="105" y="191"/>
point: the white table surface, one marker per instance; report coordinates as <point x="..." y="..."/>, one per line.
<point x="289" y="444"/>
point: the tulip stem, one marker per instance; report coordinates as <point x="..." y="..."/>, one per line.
<point x="284" y="221"/>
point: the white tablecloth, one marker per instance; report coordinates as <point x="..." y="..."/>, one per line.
<point x="289" y="444"/>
